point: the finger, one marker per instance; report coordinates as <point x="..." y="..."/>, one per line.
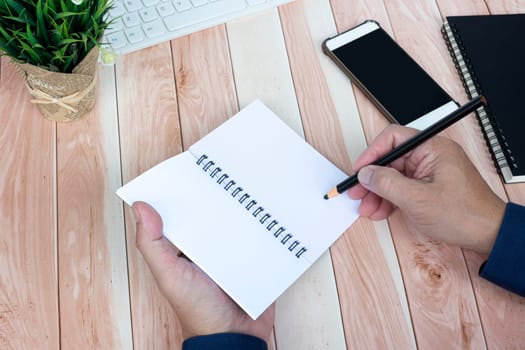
<point x="357" y="192"/>
<point x="369" y="204"/>
<point x="385" y="209"/>
<point x="388" y="139"/>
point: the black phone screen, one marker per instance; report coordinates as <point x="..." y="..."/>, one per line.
<point x="396" y="81"/>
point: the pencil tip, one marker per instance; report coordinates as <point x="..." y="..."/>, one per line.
<point x="333" y="192"/>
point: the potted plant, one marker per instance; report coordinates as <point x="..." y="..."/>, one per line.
<point x="55" y="44"/>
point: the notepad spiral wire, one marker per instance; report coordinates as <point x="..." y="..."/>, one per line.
<point x="251" y="205"/>
<point x="493" y="134"/>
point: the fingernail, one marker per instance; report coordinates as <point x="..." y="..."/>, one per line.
<point x="136" y="214"/>
<point x="364" y="175"/>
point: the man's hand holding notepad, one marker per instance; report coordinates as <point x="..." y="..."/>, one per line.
<point x="245" y="203"/>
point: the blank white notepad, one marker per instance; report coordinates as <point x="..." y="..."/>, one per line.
<point x="245" y="203"/>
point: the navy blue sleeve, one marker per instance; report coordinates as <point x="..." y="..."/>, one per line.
<point x="224" y="341"/>
<point x="506" y="263"/>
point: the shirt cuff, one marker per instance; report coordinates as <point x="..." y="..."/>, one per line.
<point x="229" y="341"/>
<point x="506" y="263"/>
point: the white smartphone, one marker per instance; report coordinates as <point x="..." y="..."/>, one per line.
<point x="396" y="84"/>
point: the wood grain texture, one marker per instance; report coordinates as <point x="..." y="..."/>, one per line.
<point x="502" y="313"/>
<point x="94" y="297"/>
<point x="441" y="299"/>
<point x="205" y="88"/>
<point x="258" y="41"/>
<point x="28" y="275"/>
<point x="323" y="130"/>
<point x="368" y="296"/>
<point x="320" y="122"/>
<point x="507" y="6"/>
<point x="461" y="8"/>
<point x="149" y="133"/>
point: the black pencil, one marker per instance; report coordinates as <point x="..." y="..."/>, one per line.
<point x="412" y="143"/>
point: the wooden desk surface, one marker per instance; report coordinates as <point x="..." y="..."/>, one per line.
<point x="70" y="275"/>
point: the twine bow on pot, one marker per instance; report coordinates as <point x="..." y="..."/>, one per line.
<point x="67" y="102"/>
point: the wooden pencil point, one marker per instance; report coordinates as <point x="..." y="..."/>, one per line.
<point x="333" y="192"/>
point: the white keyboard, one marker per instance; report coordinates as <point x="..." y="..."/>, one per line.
<point x="143" y="23"/>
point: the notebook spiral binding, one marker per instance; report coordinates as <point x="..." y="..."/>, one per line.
<point x="493" y="134"/>
<point x="258" y="212"/>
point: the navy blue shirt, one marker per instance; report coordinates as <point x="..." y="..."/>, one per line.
<point x="226" y="341"/>
<point x="504" y="267"/>
<point x="506" y="263"/>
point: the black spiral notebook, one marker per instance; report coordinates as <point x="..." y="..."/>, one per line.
<point x="489" y="53"/>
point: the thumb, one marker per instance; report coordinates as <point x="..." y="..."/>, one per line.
<point x="387" y="183"/>
<point x="149" y="223"/>
<point x="155" y="249"/>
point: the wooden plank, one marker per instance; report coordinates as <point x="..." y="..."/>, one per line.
<point x="94" y="296"/>
<point x="461" y="8"/>
<point x="205" y="88"/>
<point x="500" y="7"/>
<point x="28" y="274"/>
<point x="257" y="41"/>
<point x="327" y="111"/>
<point x="149" y="134"/>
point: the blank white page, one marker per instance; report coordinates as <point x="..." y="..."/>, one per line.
<point x="235" y="245"/>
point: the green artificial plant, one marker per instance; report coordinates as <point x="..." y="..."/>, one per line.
<point x="52" y="34"/>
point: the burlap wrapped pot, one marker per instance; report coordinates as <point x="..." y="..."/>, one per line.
<point x="63" y="96"/>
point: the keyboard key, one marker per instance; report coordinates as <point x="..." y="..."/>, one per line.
<point x="149" y="3"/>
<point x="117" y="40"/>
<point x="134" y="35"/>
<point x="131" y="19"/>
<point x="148" y="14"/>
<point x="133" y="5"/>
<point x="154" y="28"/>
<point x="117" y="10"/>
<point x="198" y="3"/>
<point x="115" y="26"/>
<point x="182" y="5"/>
<point x="209" y="11"/>
<point x="165" y="9"/>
